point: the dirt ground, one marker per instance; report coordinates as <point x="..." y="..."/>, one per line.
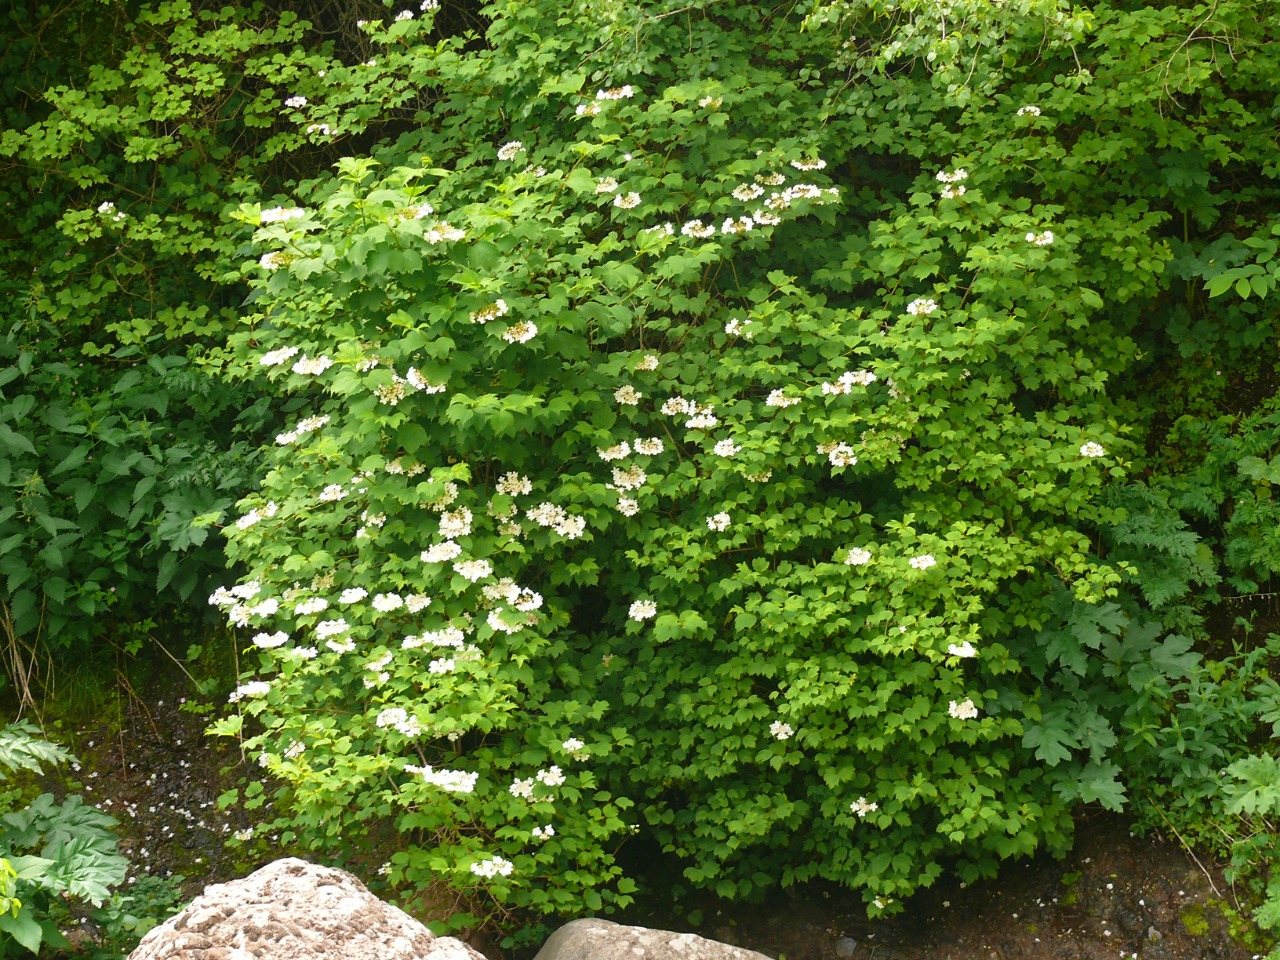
<point x="1115" y="896"/>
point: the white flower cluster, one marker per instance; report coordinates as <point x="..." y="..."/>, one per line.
<point x="643" y="610"/>
<point x="513" y="484"/>
<point x="812" y="164"/>
<point x="450" y="637"/>
<point x="1040" y="239"/>
<point x="725" y="448"/>
<point x="268" y="641"/>
<point x="274" y="358"/>
<point x="922" y="562"/>
<point x="632" y="478"/>
<point x="747" y="192"/>
<point x="558" y="519"/>
<point x="575" y="748"/>
<point x="331" y="628"/>
<point x="963" y="709"/>
<point x="780" y="730"/>
<point x="353" y="595"/>
<point x="544" y="833"/>
<point x="587" y="109"/>
<point x="281" y="214"/>
<point x="649" y="447"/>
<point x="838" y="454"/>
<point x="521" y="332"/>
<point x="624" y="92"/>
<point x="778" y="398"/>
<point x="305" y="426"/>
<point x="1092" y="449"/>
<point x="492" y="312"/>
<point x="454" y="781"/>
<point x="440" y="552"/>
<point x="254" y="688"/>
<point x="510" y="150"/>
<point x="627" y="201"/>
<point x="455" y="523"/>
<point x="719" y="522"/>
<point x="399" y="718"/>
<point x="107" y="208"/>
<point x="627" y="395"/>
<point x="922" y="307"/>
<point x="1030" y="110"/>
<point x="442" y="232"/>
<point x="522" y="789"/>
<point x="553" y="776"/>
<point x="847" y="381"/>
<point x="296" y="103"/>
<point x="962" y="650"/>
<point x="857" y="556"/>
<point x="617" y="452"/>
<point x="273" y="260"/>
<point x="953" y="187"/>
<point x="256" y="514"/>
<point x="493" y="867"/>
<point x="862" y="806"/>
<point x="648" y="362"/>
<point x="311" y="366"/>
<point x="473" y="570"/>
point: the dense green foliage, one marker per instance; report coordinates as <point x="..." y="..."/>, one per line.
<point x="53" y="851"/>
<point x="810" y="436"/>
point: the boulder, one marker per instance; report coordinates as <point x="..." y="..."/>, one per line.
<point x="294" y="910"/>
<point x="602" y="940"/>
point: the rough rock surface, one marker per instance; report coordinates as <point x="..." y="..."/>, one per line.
<point x="602" y="940"/>
<point x="294" y="910"/>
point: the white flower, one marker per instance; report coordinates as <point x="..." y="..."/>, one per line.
<point x="648" y="362"/>
<point x="841" y="455"/>
<point x="473" y="570"/>
<point x="522" y="789"/>
<point x="492" y="312"/>
<point x="442" y="665"/>
<point x="725" y="448"/>
<point x="922" y="562"/>
<point x="952" y="193"/>
<point x="617" y="452"/>
<point x="718" y="523"/>
<point x="963" y="709"/>
<point x="332" y="492"/>
<point x="571" y="528"/>
<point x="296" y="102"/>
<point x="273" y="260"/>
<point x="1030" y="110"/>
<point x="696" y="229"/>
<point x="616" y="93"/>
<point x="513" y="484"/>
<point x="281" y="214"/>
<point x="778" y="398"/>
<point x="747" y="191"/>
<point x="544" y="833"/>
<point x="312" y="366"/>
<point x="606" y="185"/>
<point x="267" y="608"/>
<point x="454" y="781"/>
<point x="964" y="650"/>
<point x="269" y="640"/>
<point x="350" y="595"/>
<point x="106" y="207"/>
<point x="627" y="201"/>
<point x="650" y="447"/>
<point x="957" y="176"/>
<point x="643" y="610"/>
<point x="628" y="507"/>
<point x="862" y="806"/>
<point x="331" y="628"/>
<point x="248" y="520"/>
<point x="397" y="717"/>
<point x="493" y="867"/>
<point x="632" y="478"/>
<point x="814" y="164"/>
<point x="1092" y="449"/>
<point x="442" y="232"/>
<point x="254" y="688"/>
<point x="1040" y="239"/>
<point x="440" y="552"/>
<point x="782" y="731"/>
<point x="574" y="747"/>
<point x="522" y="332"/>
<point x="310" y="605"/>
<point x="509" y="150"/>
<point x="552" y="776"/>
<point x="386" y="602"/>
<point x="857" y="556"/>
<point x="586" y="109"/>
<point x="922" y="306"/>
<point x="455" y="523"/>
<point x="740" y="225"/>
<point x="404" y="15"/>
<point x="274" y="358"/>
<point x="416" y="601"/>
<point x="627" y="395"/>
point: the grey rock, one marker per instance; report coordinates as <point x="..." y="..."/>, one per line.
<point x="603" y="940"/>
<point x="846" y="947"/>
<point x="294" y="910"/>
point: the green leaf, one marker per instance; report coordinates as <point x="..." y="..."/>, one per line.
<point x="23" y="928"/>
